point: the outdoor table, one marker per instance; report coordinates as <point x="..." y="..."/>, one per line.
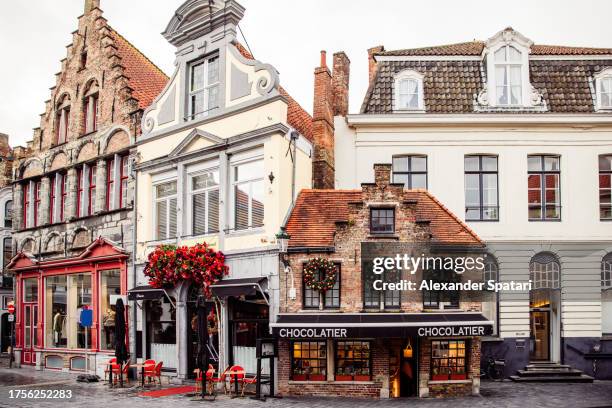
<point x="235" y="374"/>
<point x="110" y="371"/>
<point x="142" y="367"/>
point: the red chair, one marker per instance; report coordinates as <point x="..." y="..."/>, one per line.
<point x="221" y="379"/>
<point x="209" y="379"/>
<point x="155" y="373"/>
<point x="248" y="381"/>
<point x="149" y="367"/>
<point x="236" y="374"/>
<point x="117" y="371"/>
<point x="112" y="365"/>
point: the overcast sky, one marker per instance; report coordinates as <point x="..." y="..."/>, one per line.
<point x="286" y="33"/>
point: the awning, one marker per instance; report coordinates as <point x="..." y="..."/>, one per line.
<point x="239" y="287"/>
<point x="355" y="325"/>
<point x="145" y="293"/>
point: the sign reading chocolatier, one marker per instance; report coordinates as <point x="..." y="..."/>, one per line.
<point x="380" y="331"/>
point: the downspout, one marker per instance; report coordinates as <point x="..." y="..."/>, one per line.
<point x="134" y="324"/>
<point x="293" y="137"/>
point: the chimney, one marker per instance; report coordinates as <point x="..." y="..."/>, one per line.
<point x="382" y="174"/>
<point x="340" y="83"/>
<point x="90" y="5"/>
<point x="372" y="62"/>
<point x="323" y="127"/>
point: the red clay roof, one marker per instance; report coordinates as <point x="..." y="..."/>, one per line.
<point x="474" y="48"/>
<point x="312" y="222"/>
<point x="145" y="78"/>
<point x="297" y="117"/>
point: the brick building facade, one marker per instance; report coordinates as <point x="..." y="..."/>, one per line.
<point x="73" y="192"/>
<point x="372" y="344"/>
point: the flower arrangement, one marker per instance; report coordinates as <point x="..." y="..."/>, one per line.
<point x="320" y="274"/>
<point x="167" y="265"/>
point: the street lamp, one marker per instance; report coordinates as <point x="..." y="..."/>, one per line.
<point x="282" y="240"/>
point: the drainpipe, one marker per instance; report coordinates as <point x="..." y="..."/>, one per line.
<point x="293" y="137"/>
<point x="134" y="246"/>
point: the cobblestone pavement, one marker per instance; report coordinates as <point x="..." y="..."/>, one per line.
<point x="494" y="394"/>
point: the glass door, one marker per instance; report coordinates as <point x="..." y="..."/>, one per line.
<point x="540" y="335"/>
<point x="30" y="326"/>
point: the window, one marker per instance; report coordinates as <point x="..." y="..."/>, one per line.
<point x="26" y="205"/>
<point x="65" y="296"/>
<point x="248" y="195"/>
<point x="161" y="330"/>
<point x="7" y="251"/>
<point x="8" y="214"/>
<point x="353" y="361"/>
<point x="165" y="210"/>
<point x="441" y="299"/>
<point x="331" y="298"/>
<point x="309" y="361"/>
<point x="409" y="91"/>
<point x="481" y="202"/>
<point x="448" y="360"/>
<point x="30" y="290"/>
<point x="110" y="183"/>
<point x="380" y="299"/>
<point x="203" y="87"/>
<point x="91" y="195"/>
<point x="606" y="294"/>
<point x="382" y="220"/>
<point x="205" y="203"/>
<point x="544" y="271"/>
<point x="123" y="182"/>
<point x="508" y="73"/>
<point x="543" y="181"/>
<point x="37" y="186"/>
<point x="80" y="196"/>
<point x="64" y="195"/>
<point x="490" y="298"/>
<point x="52" y="198"/>
<point x="110" y="289"/>
<point x="603" y="85"/>
<point x="83" y="59"/>
<point x="411" y="171"/>
<point x="605" y="176"/>
<point x="62" y="120"/>
<point x="90" y="108"/>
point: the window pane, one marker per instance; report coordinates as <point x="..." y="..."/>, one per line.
<point x="213" y="97"/>
<point x="197" y="103"/>
<point x="110" y="288"/>
<point x="258" y="203"/>
<point x="515" y="93"/>
<point x="400" y="164"/>
<point x="419" y="181"/>
<point x="489" y="163"/>
<point x="534" y="163"/>
<point x="500" y="55"/>
<point x="489" y="190"/>
<point x="472" y="190"/>
<point x="197" y="76"/>
<point x="241" y="206"/>
<point x="515" y="55"/>
<point x="501" y="76"/>
<point x="604" y="197"/>
<point x="551" y="163"/>
<point x="57" y="311"/>
<point x="418" y="163"/>
<point x="605" y="163"/>
<point x="213" y="70"/>
<point x="472" y="213"/>
<point x="165" y="189"/>
<point x="30" y="290"/>
<point x="471" y="163"/>
<point x="249" y="171"/>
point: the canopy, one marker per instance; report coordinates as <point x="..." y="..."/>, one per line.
<point x="145" y="293"/>
<point x="239" y="287"/>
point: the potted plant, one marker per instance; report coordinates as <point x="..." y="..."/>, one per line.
<point x="458" y="376"/>
<point x="342" y="376"/>
<point x="437" y="375"/>
<point x="317" y="377"/>
<point x="298" y="375"/>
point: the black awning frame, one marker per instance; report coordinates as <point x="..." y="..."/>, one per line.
<point x="255" y="285"/>
<point x="150" y="289"/>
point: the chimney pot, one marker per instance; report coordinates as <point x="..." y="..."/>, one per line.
<point x="323" y="59"/>
<point x="372" y="62"/>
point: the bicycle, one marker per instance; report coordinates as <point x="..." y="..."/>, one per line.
<point x="493" y="369"/>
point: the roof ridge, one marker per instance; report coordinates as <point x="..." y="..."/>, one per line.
<point x="433" y="46"/>
<point x="449" y="212"/>
<point x="138" y="51"/>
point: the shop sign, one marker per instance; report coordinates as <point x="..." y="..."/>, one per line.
<point x="446" y="331"/>
<point x="314" y="333"/>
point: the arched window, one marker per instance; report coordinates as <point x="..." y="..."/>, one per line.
<point x="62" y="119"/>
<point x="603" y="87"/>
<point x="508" y="72"/>
<point x="409" y="91"/>
<point x="545" y="271"/>
<point x="8" y="214"/>
<point x="491" y="270"/>
<point x="606" y="271"/>
<point x="90" y="107"/>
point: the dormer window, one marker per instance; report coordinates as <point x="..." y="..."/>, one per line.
<point x="203" y="87"/>
<point x="508" y="73"/>
<point x="603" y="87"/>
<point x="409" y="91"/>
<point x="62" y="115"/>
<point x="90" y="108"/>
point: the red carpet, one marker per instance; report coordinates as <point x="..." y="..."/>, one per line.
<point x="167" y="392"/>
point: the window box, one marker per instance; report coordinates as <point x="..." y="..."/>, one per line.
<point x="439" y="377"/>
<point x="344" y="377"/>
<point x="458" y="377"/>
<point x="316" y="377"/>
<point x="299" y="377"/>
<point x="362" y="378"/>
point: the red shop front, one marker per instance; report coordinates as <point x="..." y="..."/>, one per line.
<point x="50" y="297"/>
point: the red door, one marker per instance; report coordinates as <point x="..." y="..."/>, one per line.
<point x="30" y="326"/>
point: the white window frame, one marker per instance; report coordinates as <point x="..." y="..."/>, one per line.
<point x="250" y="181"/>
<point x="526" y="91"/>
<point x="606" y="272"/>
<point x="605" y="74"/>
<point x="167" y="199"/>
<point x="408" y="75"/>
<point x="205" y="90"/>
<point x="191" y="192"/>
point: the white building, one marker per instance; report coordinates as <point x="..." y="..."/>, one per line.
<point x="516" y="138"/>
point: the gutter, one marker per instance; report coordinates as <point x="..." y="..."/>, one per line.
<point x="133" y="334"/>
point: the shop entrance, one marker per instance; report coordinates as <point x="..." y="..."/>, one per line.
<point x="543" y="324"/>
<point x="403" y="369"/>
<point x="30" y="333"/>
<point x="192" y="332"/>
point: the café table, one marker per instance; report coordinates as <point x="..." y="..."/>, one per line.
<point x="142" y="367"/>
<point x="234" y="374"/>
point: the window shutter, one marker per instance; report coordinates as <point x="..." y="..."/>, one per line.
<point x="161" y="214"/>
<point x="172" y="218"/>
<point x="199" y="214"/>
<point x="213" y="211"/>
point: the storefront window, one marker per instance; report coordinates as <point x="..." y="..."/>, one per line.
<point x="309" y="361"/>
<point x="110" y="289"/>
<point x="30" y="290"/>
<point x="65" y="297"/>
<point x="162" y="332"/>
<point x="448" y="360"/>
<point x="353" y="361"/>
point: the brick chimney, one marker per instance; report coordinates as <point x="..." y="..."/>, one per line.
<point x="91" y="4"/>
<point x="340" y="83"/>
<point x="382" y="174"/>
<point x="372" y="62"/>
<point x="323" y="127"/>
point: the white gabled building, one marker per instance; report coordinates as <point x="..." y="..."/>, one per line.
<point x="517" y="139"/>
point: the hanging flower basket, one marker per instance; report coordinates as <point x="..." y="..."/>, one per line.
<point x="320" y="274"/>
<point x="168" y="265"/>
